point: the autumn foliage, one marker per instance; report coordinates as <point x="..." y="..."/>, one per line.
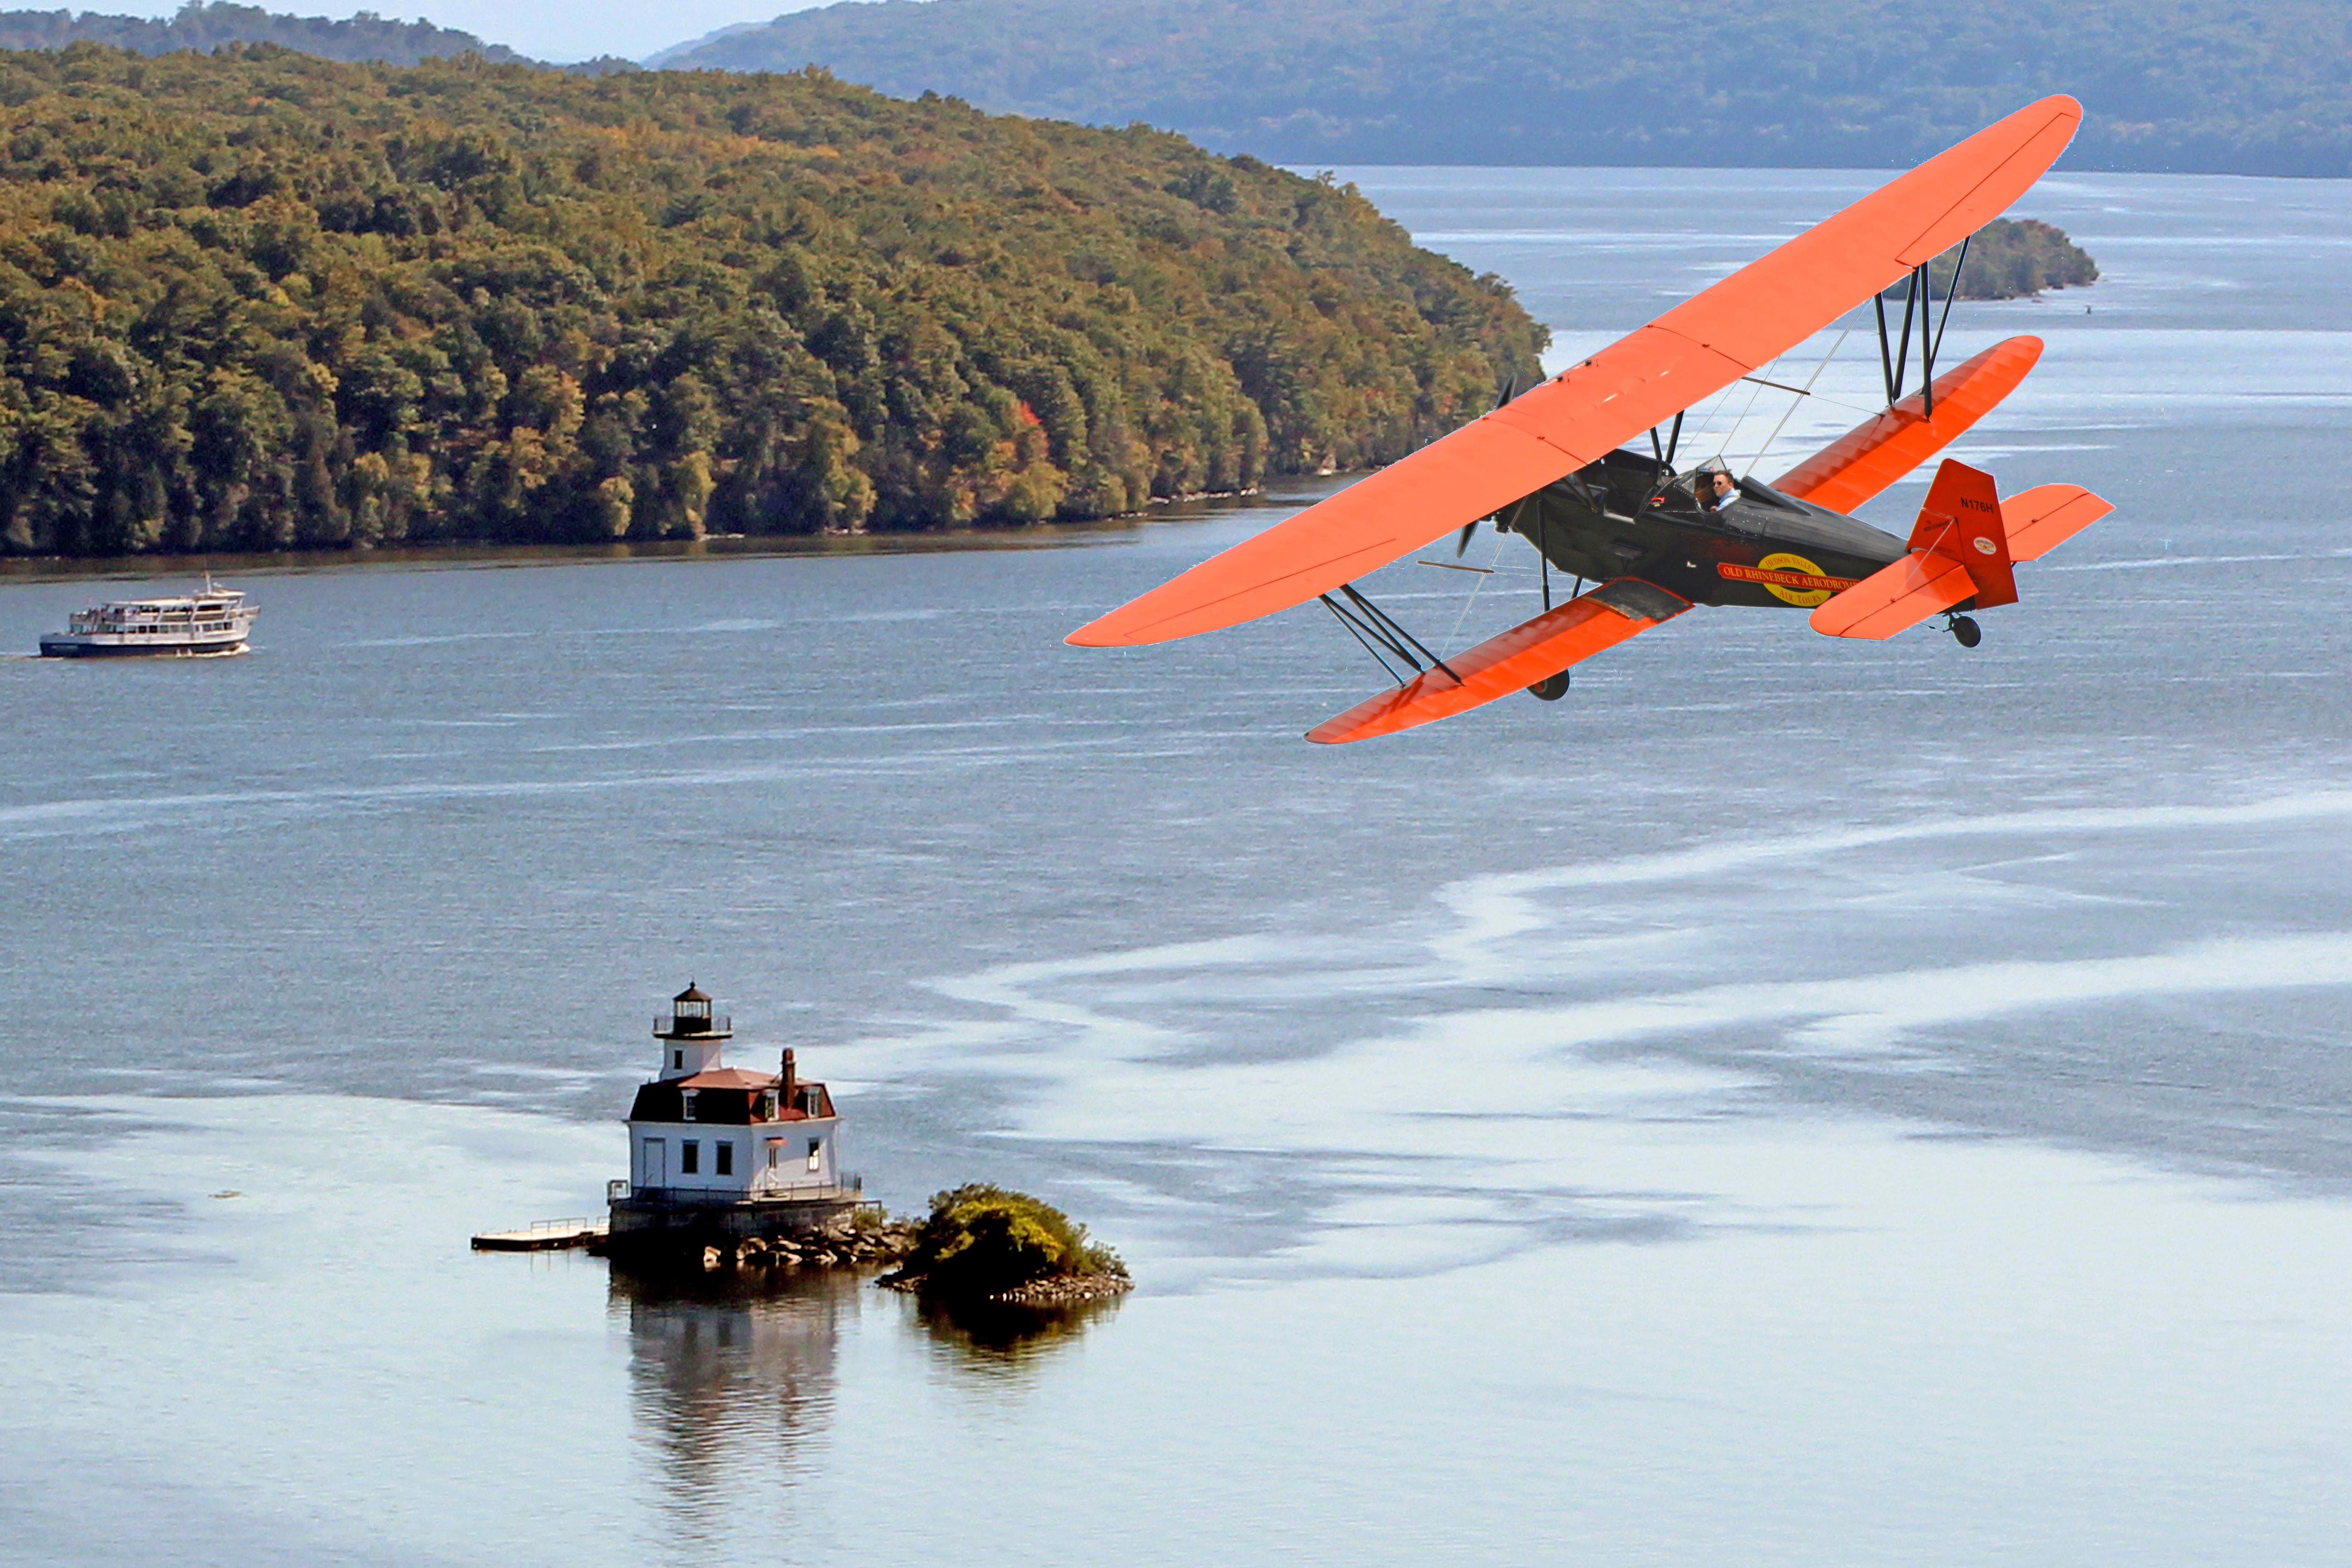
<point x="258" y="299"/>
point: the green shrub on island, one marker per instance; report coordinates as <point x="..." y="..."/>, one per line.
<point x="258" y="300"/>
<point x="982" y="1241"/>
<point x="2013" y="258"/>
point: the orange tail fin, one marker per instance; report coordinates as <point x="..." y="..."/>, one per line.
<point x="1961" y="517"/>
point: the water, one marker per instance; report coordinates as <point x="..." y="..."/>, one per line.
<point x="1791" y="1102"/>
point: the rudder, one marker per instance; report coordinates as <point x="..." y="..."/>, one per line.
<point x="1961" y="519"/>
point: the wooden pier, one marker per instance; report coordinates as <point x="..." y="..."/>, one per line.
<point x="545" y="1236"/>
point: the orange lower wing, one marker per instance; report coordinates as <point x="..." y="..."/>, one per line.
<point x="1872" y="455"/>
<point x="1896" y="597"/>
<point x="1542" y="648"/>
<point x="2047" y="516"/>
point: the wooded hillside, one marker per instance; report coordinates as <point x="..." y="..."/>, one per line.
<point x="2216" y="86"/>
<point x="258" y="299"/>
<point x="207" y="26"/>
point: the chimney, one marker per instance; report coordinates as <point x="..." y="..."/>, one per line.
<point x="790" y="1086"/>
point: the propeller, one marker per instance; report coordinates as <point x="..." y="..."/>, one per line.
<point x="1510" y="389"/>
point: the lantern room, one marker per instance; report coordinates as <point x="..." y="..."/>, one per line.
<point x="692" y="1037"/>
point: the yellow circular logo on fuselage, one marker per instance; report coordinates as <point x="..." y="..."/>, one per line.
<point x="1804" y="599"/>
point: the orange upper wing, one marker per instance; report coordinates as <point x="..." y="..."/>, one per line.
<point x="1698" y="347"/>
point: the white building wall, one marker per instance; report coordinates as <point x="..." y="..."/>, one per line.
<point x="684" y="1057"/>
<point x="752" y="1173"/>
<point x="674" y="1136"/>
<point x="791" y="1168"/>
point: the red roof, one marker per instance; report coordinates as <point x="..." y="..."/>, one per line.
<point x="731" y="1078"/>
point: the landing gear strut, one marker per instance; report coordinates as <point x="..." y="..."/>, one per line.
<point x="1965" y="631"/>
<point x="1551" y="688"/>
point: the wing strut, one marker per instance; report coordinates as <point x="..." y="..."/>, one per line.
<point x="1666" y="455"/>
<point x="1377" y="629"/>
<point x="1918" y="293"/>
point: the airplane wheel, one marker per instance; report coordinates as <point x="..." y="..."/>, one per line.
<point x="1966" y="631"/>
<point x="1551" y="688"/>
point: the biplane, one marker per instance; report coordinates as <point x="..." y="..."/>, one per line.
<point x="1551" y="466"/>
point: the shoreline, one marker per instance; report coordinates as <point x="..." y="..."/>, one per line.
<point x="485" y="555"/>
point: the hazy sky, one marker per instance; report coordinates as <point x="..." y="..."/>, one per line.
<point x="547" y="29"/>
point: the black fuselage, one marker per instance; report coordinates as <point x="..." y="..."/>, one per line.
<point x="1629" y="516"/>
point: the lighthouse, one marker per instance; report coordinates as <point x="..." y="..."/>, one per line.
<point x="718" y="1153"/>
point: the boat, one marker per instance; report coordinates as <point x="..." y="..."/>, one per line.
<point x="212" y="622"/>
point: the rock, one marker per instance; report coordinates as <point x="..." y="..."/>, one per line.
<point x="1066" y="1289"/>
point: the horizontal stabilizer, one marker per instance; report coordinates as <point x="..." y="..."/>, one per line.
<point x="2047" y="516"/>
<point x="1872" y="455"/>
<point x="1517" y="659"/>
<point x="1895" y="599"/>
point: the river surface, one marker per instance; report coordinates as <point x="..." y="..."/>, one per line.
<point x="1792" y="1102"/>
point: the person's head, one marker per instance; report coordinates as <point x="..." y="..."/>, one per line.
<point x="1719" y="483"/>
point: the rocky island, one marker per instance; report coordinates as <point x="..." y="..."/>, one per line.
<point x="982" y="1243"/>
<point x="979" y="1244"/>
<point x="2016" y="259"/>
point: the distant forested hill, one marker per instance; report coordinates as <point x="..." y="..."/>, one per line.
<point x="2222" y="86"/>
<point x="256" y="299"/>
<point x="201" y="26"/>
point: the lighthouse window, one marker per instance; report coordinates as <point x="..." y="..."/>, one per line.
<point x="677" y="1059"/>
<point x="685" y="1105"/>
<point x="722" y="1159"/>
<point x="817" y="1154"/>
<point x="812" y="1101"/>
<point x="775" y="1153"/>
<point x="690" y="1158"/>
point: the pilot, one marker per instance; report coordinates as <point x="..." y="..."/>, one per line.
<point x="1716" y="491"/>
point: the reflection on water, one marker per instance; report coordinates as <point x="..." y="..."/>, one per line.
<point x="731" y="1374"/>
<point x="992" y="1339"/>
<point x="734" y="1375"/>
